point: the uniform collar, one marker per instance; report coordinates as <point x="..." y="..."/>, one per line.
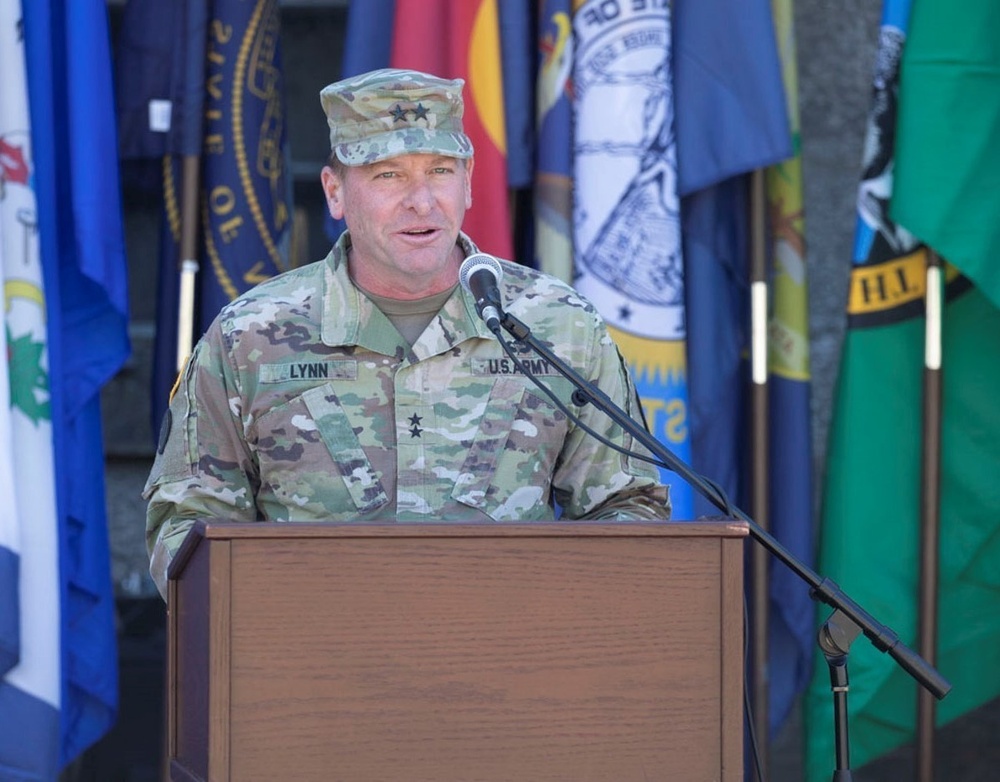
<point x="350" y="318"/>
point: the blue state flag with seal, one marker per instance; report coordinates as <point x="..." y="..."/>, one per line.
<point x="205" y="80"/>
<point x="626" y="211"/>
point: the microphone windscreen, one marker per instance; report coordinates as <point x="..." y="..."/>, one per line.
<point x="479" y="262"/>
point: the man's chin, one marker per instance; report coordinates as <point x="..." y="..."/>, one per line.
<point x="429" y="254"/>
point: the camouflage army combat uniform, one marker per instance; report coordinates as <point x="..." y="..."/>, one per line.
<point x="302" y="402"/>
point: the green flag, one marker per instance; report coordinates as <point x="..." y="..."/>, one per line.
<point x="869" y="539"/>
<point x="947" y="190"/>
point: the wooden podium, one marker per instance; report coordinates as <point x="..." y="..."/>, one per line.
<point x="555" y="651"/>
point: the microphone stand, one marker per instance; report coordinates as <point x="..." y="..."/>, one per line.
<point x="848" y="619"/>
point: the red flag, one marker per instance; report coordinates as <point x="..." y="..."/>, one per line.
<point x="461" y="39"/>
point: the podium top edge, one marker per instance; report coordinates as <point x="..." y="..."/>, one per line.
<point x="222" y="530"/>
<point x="216" y="529"/>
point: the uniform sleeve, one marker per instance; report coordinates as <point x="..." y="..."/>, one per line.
<point x="203" y="467"/>
<point x="593" y="481"/>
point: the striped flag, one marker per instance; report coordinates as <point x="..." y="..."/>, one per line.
<point x="366" y="45"/>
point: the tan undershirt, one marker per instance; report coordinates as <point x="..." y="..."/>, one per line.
<point x="410" y="317"/>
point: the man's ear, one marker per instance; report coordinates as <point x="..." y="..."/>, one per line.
<point x="333" y="188"/>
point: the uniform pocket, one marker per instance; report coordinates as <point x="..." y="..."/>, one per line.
<point x="311" y="459"/>
<point x="507" y="472"/>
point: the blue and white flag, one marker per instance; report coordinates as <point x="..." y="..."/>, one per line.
<point x="626" y="211"/>
<point x="30" y="691"/>
<point x="65" y="312"/>
<point x="10" y="535"/>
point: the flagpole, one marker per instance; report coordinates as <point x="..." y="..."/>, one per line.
<point x="190" y="182"/>
<point x="196" y="15"/>
<point x="930" y="510"/>
<point x="760" y="472"/>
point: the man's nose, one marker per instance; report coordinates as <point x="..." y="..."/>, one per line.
<point x="419" y="196"/>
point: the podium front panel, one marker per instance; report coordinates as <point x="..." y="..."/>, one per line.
<point x="471" y="654"/>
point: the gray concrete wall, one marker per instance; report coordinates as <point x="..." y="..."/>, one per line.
<point x="836" y="50"/>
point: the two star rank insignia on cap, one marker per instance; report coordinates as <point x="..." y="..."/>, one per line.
<point x="399" y="113"/>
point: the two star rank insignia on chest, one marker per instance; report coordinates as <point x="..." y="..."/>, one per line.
<point x="415" y="429"/>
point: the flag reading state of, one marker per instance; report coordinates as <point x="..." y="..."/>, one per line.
<point x="246" y="202"/>
<point x="214" y="71"/>
<point x="627" y="240"/>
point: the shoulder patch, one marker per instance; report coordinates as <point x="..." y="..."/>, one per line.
<point x="165" y="426"/>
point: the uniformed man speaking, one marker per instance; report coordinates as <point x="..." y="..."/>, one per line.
<point x="365" y="387"/>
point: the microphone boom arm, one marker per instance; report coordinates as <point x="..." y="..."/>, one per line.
<point x="821" y="589"/>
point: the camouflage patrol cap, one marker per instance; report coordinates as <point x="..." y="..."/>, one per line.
<point x="390" y="112"/>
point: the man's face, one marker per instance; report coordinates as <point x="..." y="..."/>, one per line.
<point x="404" y="215"/>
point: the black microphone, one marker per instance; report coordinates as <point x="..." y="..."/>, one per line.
<point x="480" y="275"/>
